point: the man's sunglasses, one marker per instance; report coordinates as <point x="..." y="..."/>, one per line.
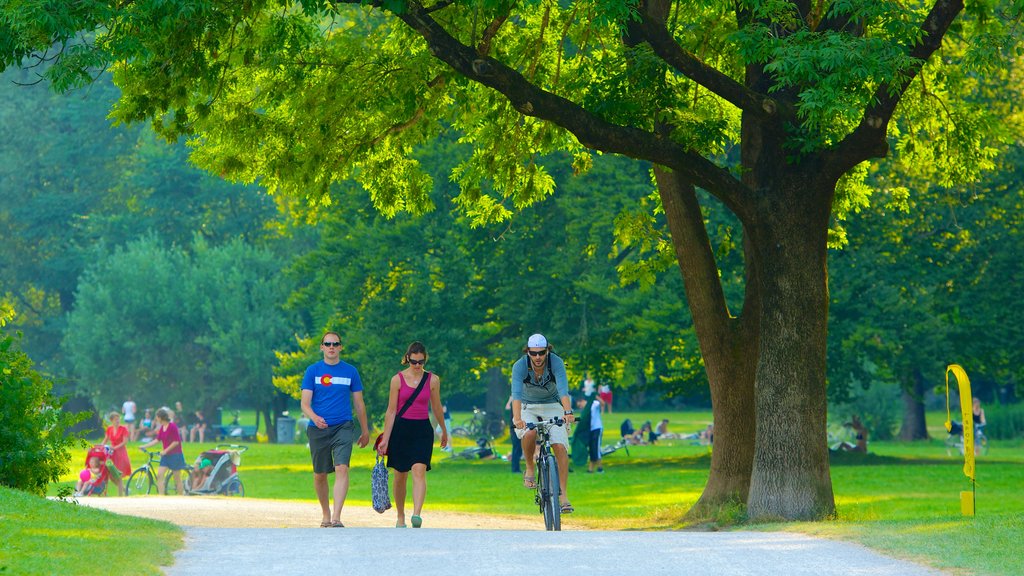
<point x="538" y="352"/>
<point x="417" y="362"/>
<point x="332" y="344"/>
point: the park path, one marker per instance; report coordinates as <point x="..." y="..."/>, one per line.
<point x="252" y="536"/>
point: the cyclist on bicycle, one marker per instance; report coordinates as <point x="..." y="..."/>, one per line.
<point x="540" y="390"/>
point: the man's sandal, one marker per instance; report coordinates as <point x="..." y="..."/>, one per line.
<point x="567" y="508"/>
<point x="529" y="482"/>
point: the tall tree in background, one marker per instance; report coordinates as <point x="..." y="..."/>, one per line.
<point x="73" y="187"/>
<point x="166" y="325"/>
<point x="303" y="94"/>
<point x="473" y="295"/>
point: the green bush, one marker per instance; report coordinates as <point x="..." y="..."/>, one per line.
<point x="34" y="442"/>
<point x="878" y="406"/>
<point x="1004" y="422"/>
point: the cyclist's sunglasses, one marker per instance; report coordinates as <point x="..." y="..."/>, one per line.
<point x="330" y="344"/>
<point x="417" y="362"/>
<point x="537" y="352"/>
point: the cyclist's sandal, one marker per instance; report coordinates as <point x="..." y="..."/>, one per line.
<point x="325" y="524"/>
<point x="337" y="524"/>
<point x="567" y="508"/>
<point x="529" y="482"/>
<point x="417" y="521"/>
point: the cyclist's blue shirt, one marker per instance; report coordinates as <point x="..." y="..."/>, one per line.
<point x="332" y="387"/>
<point x="548" y="389"/>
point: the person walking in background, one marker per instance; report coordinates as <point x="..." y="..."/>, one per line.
<point x="331" y="388"/>
<point x="117" y="437"/>
<point x="540" y="391"/>
<point x="589" y="386"/>
<point x="172" y="458"/>
<point x="517" y="445"/>
<point x="586" y="438"/>
<point x="408" y="438"/>
<point x="129" y="410"/>
<point x="605" y="392"/>
<point x="595" y="406"/>
<point x="447" y="426"/>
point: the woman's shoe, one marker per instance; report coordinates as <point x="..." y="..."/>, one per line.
<point x="417" y="521"/>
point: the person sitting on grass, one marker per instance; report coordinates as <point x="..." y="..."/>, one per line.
<point x="861" y="436"/>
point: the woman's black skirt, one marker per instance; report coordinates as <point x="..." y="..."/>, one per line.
<point x="412" y="442"/>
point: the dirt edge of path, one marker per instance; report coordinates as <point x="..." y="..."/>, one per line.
<point x="228" y="512"/>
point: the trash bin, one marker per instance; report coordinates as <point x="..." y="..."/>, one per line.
<point x="285" y="430"/>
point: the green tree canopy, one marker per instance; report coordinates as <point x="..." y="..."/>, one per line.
<point x="166" y="325"/>
<point x="798" y="94"/>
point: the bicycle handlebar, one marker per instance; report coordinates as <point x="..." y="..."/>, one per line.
<point x="556" y="421"/>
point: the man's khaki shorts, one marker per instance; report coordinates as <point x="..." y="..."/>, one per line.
<point x="540" y="412"/>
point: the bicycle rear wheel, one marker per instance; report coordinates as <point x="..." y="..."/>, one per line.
<point x="552" y="507"/>
<point x="186" y="483"/>
<point x="140" y="482"/>
<point x="234" y="487"/>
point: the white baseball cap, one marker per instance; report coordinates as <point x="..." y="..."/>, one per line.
<point x="537" y="341"/>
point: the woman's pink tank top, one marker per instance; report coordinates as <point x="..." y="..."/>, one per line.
<point x="418" y="410"/>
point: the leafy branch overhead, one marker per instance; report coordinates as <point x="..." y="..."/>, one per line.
<point x="267" y="89"/>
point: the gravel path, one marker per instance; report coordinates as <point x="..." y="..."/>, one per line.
<point x="233" y="533"/>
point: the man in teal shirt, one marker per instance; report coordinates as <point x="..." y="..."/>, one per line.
<point x="540" y="390"/>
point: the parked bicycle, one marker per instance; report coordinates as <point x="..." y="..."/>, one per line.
<point x="955" y="440"/>
<point x="547" y="486"/>
<point x="473" y="427"/>
<point x="143" y="480"/>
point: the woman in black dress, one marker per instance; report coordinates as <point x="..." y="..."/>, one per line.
<point x="408" y="437"/>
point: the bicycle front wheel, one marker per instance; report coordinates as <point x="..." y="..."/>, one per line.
<point x="140" y="482"/>
<point x="552" y="507"/>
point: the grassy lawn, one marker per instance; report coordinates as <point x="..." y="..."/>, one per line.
<point x="41" y="536"/>
<point x="902" y="499"/>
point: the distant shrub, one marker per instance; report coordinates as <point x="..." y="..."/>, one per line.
<point x="878" y="406"/>
<point x="1004" y="422"/>
<point x="34" y="443"/>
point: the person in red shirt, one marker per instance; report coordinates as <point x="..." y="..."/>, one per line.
<point x="172" y="459"/>
<point x="117" y="438"/>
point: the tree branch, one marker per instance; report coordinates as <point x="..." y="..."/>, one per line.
<point x="591" y="130"/>
<point x="664" y="45"/>
<point x="868" y="140"/>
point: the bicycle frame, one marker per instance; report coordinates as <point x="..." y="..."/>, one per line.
<point x="144" y="478"/>
<point x="546" y="493"/>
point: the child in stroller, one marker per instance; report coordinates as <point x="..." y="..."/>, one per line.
<point x="216" y="471"/>
<point x="92" y="480"/>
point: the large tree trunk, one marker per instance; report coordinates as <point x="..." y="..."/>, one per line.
<point x="728" y="346"/>
<point x="790" y="477"/>
<point x="914" y="427"/>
